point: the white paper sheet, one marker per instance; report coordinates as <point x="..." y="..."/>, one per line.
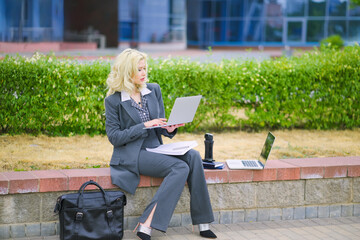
<point x="178" y="148"/>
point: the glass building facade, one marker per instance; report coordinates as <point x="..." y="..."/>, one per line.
<point x="270" y="22"/>
<point x="152" y="20"/>
<point x="31" y="20"/>
<point x="138" y="20"/>
<point x="201" y="23"/>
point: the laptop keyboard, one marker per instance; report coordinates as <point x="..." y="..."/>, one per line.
<point x="250" y="163"/>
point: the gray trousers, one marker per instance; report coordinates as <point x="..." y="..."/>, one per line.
<point x="176" y="171"/>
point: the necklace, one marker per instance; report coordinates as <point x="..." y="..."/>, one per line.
<point x="137" y="98"/>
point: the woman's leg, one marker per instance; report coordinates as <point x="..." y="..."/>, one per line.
<point x="200" y="205"/>
<point x="175" y="173"/>
<point x="148" y="221"/>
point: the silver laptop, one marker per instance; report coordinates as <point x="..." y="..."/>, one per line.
<point x="256" y="163"/>
<point x="183" y="111"/>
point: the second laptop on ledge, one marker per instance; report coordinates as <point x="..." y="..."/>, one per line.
<point x="259" y="163"/>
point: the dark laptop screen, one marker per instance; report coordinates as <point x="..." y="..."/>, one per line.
<point x="265" y="152"/>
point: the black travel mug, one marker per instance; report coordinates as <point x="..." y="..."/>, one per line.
<point x="209" y="143"/>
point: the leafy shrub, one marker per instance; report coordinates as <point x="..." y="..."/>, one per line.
<point x="317" y="90"/>
<point x="42" y="94"/>
<point x="334" y="41"/>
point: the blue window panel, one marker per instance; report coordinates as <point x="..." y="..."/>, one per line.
<point x="220" y="9"/>
<point x="57" y="23"/>
<point x="220" y="31"/>
<point x="13" y="12"/>
<point x="315" y="30"/>
<point x="317" y="8"/>
<point x="295" y="8"/>
<point x="274" y="30"/>
<point x="126" y="10"/>
<point x="207" y="33"/>
<point x="354" y="11"/>
<point x="275" y="8"/>
<point x="192" y="31"/>
<point x="207" y="9"/>
<point x="337" y="7"/>
<point x="126" y="30"/>
<point x="294" y="31"/>
<point x="127" y="19"/>
<point x="237" y="8"/>
<point x="32" y="20"/>
<point x="354" y="31"/>
<point x="337" y="28"/>
<point x="236" y="31"/>
<point x="45" y="13"/>
<point x="255" y="8"/>
<point x="253" y="30"/>
<point x="2" y="20"/>
<point x="145" y="21"/>
<point x="154" y="21"/>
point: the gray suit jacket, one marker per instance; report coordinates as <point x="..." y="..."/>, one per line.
<point x="125" y="132"/>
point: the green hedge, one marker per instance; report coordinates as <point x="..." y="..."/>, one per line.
<point x="317" y="90"/>
<point x="55" y="97"/>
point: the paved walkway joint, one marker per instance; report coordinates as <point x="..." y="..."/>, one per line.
<point x="341" y="228"/>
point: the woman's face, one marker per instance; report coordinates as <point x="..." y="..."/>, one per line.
<point x="140" y="76"/>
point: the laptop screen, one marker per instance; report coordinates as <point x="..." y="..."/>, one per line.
<point x="265" y="152"/>
<point x="184" y="109"/>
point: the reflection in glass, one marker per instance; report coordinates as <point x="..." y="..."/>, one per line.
<point x="354" y="10"/>
<point x="317" y="8"/>
<point x="192" y="31"/>
<point x="337" y="27"/>
<point x="45" y="13"/>
<point x="274" y="30"/>
<point x="207" y="33"/>
<point x="275" y="8"/>
<point x="125" y="30"/>
<point x="295" y="8"/>
<point x="127" y="20"/>
<point x="220" y="31"/>
<point x="271" y="21"/>
<point x="337" y="7"/>
<point x="125" y="10"/>
<point x="315" y="31"/>
<point x="294" y="31"/>
<point x="255" y="8"/>
<point x="220" y="8"/>
<point x="236" y="8"/>
<point x="253" y="31"/>
<point x="206" y="9"/>
<point x="265" y="151"/>
<point x="354" y="30"/>
<point x="235" y="31"/>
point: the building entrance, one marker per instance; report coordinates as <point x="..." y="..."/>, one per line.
<point x="89" y="21"/>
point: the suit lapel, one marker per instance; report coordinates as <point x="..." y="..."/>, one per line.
<point x="130" y="110"/>
<point x="152" y="102"/>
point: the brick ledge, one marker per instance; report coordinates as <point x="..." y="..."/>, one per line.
<point x="276" y="170"/>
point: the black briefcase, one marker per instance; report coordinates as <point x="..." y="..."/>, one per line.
<point x="91" y="215"/>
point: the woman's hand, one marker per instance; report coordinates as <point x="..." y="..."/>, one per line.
<point x="171" y="128"/>
<point x="155" y="122"/>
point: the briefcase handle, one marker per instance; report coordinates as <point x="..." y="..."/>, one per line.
<point x="80" y="201"/>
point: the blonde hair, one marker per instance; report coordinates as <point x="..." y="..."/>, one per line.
<point x="123" y="70"/>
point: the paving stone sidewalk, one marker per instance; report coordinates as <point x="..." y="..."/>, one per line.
<point x="341" y="228"/>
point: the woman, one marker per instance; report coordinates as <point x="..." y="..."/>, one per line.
<point x="132" y="105"/>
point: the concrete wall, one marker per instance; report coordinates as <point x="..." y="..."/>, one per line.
<point x="32" y="213"/>
<point x="282" y="193"/>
